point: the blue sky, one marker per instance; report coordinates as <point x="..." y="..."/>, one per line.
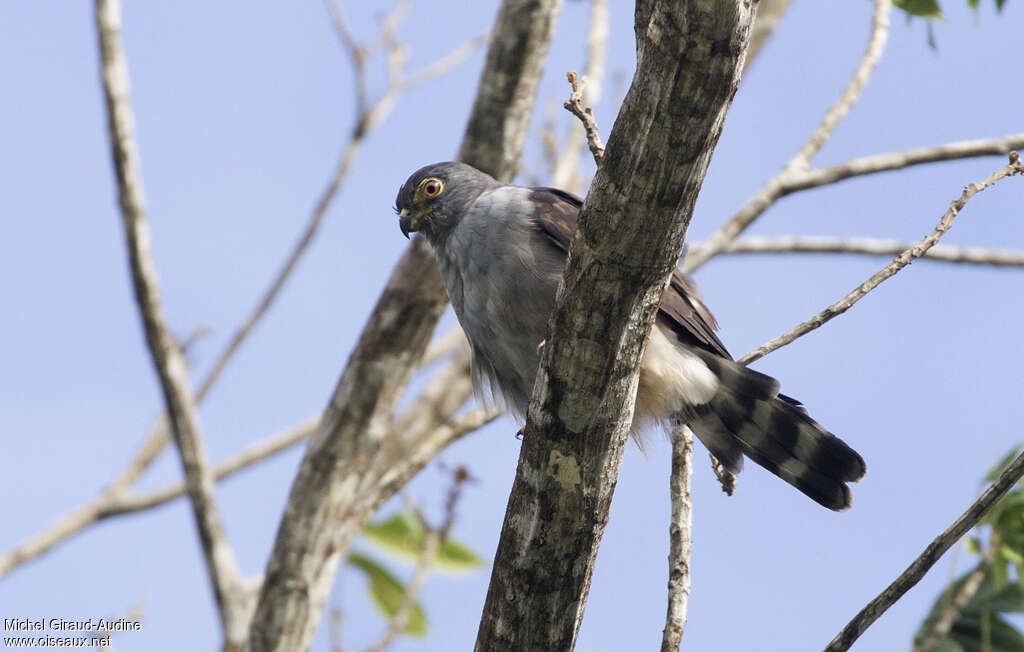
<point x="241" y="111"/>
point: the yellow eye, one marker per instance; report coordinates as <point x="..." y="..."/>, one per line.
<point x="431" y="188"/>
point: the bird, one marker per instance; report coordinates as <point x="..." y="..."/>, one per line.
<point x="501" y="251"/>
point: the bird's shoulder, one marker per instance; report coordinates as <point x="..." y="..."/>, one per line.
<point x="556" y="214"/>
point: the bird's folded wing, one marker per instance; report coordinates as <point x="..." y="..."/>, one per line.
<point x="556" y="214"/>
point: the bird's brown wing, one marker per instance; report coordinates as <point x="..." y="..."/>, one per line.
<point x="556" y="213"/>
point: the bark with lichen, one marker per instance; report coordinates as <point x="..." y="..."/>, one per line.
<point x="631" y="233"/>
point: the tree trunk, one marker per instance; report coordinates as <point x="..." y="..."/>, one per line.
<point x="632" y="227"/>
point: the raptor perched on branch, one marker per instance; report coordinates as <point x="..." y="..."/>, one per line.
<point x="501" y="251"/>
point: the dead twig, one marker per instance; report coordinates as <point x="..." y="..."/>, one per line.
<point x="575" y="106"/>
<point x="802" y="159"/>
<point x="873" y="247"/>
<point x="565" y="164"/>
<point x="876" y="44"/>
<point x="901" y="261"/>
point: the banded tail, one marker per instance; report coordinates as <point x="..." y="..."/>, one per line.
<point x="748" y="416"/>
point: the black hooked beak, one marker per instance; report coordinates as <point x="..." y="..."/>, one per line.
<point x="405" y="222"/>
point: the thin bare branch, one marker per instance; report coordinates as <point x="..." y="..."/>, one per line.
<point x="873" y="247"/>
<point x="445" y="63"/>
<point x="420" y="427"/>
<point x="442" y="346"/>
<point x="769" y="12"/>
<point x="783" y="185"/>
<point x="680" y="539"/>
<point x="60" y="530"/>
<point x="901" y="261"/>
<point x="367" y="118"/>
<point x="356" y="53"/>
<point x="575" y="106"/>
<point x="255" y="453"/>
<point x="802" y="159"/>
<point x="898" y="160"/>
<point x="913" y="574"/>
<point x="388" y="26"/>
<point x="341" y="28"/>
<point x="565" y="167"/>
<point x="876" y="44"/>
<point x="168" y="361"/>
<point x="724" y="477"/>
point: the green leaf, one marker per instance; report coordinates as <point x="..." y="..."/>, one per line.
<point x="948" y="645"/>
<point x="1002" y="636"/>
<point x="454" y="556"/>
<point x="994" y="596"/>
<point x="1007" y="517"/>
<point x="923" y="8"/>
<point x="1009" y="598"/>
<point x="973" y="545"/>
<point x="388" y="593"/>
<point x="973" y="4"/>
<point x="404" y="535"/>
<point x="1010" y="554"/>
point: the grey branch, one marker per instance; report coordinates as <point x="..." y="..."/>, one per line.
<point x="876" y="44"/>
<point x="331" y="496"/>
<point x="873" y="247"/>
<point x="586" y="116"/>
<point x="680" y="539"/>
<point x="724" y="477"/>
<point x="769" y="12"/>
<point x="901" y="261"/>
<point x="444" y="345"/>
<point x="565" y="169"/>
<point x="631" y="232"/>
<point x="445" y="63"/>
<point x="913" y="574"/>
<point x="802" y="159"/>
<point x="251" y="455"/>
<point x="786" y="184"/>
<point x="167" y="359"/>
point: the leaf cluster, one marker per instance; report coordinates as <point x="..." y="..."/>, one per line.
<point x="931" y="9"/>
<point x="998" y="542"/>
<point x="404" y="535"/>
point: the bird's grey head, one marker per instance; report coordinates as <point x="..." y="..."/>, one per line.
<point x="435" y="198"/>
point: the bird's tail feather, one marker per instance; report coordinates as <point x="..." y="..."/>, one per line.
<point x="747" y="416"/>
